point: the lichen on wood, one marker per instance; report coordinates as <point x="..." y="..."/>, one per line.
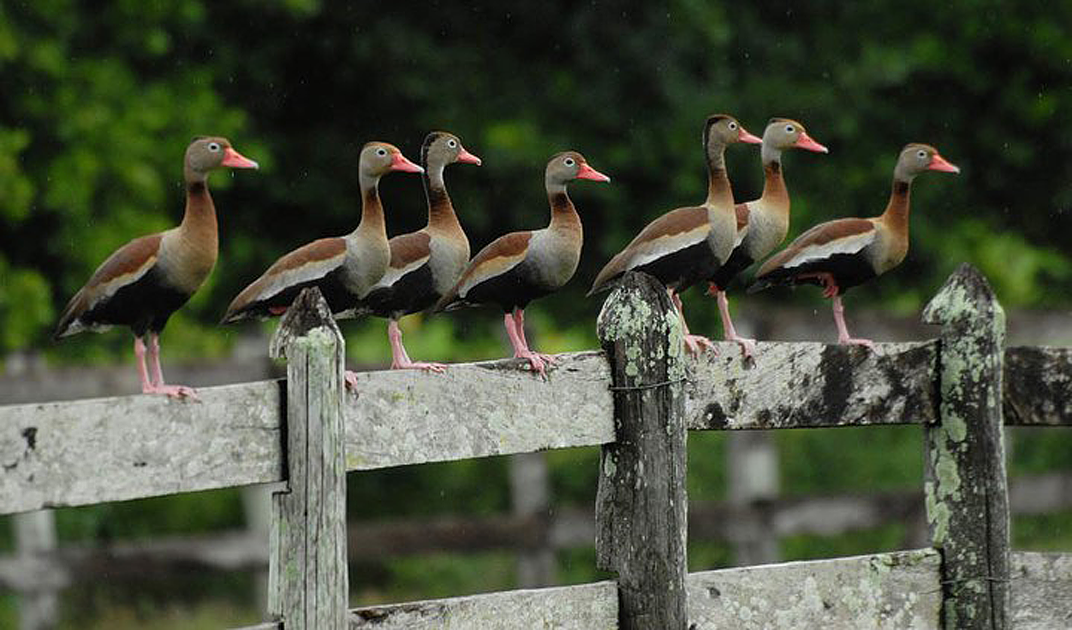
<point x="966" y="490"/>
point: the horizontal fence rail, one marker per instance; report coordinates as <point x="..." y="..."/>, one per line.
<point x="571" y="528"/>
<point x="895" y="590"/>
<point x="128" y="447"/>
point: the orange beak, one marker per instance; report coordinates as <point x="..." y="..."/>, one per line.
<point x="468" y="158"/>
<point x="749" y="138"/>
<point x="939" y="163"/>
<point x="400" y="163"/>
<point x="587" y="172"/>
<point x="805" y="142"/>
<point x="234" y="159"/>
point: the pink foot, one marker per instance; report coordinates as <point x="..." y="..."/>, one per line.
<point x="748" y="346"/>
<point x="696" y="344"/>
<point x="172" y="391"/>
<point x="437" y="368"/>
<point x="536" y="361"/>
<point x="854" y="341"/>
<point x="351" y="380"/>
<point x="549" y="359"/>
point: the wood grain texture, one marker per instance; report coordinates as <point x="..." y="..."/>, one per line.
<point x="1041" y="590"/>
<point x="797" y="385"/>
<point x="641" y="501"/>
<point x="965" y="485"/>
<point x="130" y="447"/>
<point x="1037" y="385"/>
<point x="897" y="590"/>
<point x="110" y="449"/>
<point x="307" y="573"/>
<point x="477" y="410"/>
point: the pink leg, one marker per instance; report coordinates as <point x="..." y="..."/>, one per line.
<point x="843" y="331"/>
<point x="521" y="351"/>
<point x="157" y="385"/>
<point x="519" y="325"/>
<point x="399" y="359"/>
<point x="351" y="380"/>
<point x="693" y="343"/>
<point x="729" y="333"/>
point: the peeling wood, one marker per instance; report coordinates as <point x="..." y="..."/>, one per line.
<point x="477" y="410"/>
<point x="798" y="385"/>
<point x="130" y="447"/>
<point x="1038" y="382"/>
<point x="308" y="582"/>
<point x="887" y="591"/>
<point x="1041" y="590"/>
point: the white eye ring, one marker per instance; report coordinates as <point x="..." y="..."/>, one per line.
<point x="213" y="146"/>
<point x="568" y="162"/>
<point x="922" y="153"/>
<point x="381" y="152"/>
<point x="452" y="143"/>
<point x="789" y="129"/>
<point x="732" y="126"/>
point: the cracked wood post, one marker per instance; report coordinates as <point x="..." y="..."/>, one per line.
<point x="965" y="487"/>
<point x="641" y="501"/>
<point x="307" y="579"/>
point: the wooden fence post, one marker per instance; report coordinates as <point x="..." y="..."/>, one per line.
<point x="965" y="486"/>
<point x="641" y="502"/>
<point x="307" y="579"/>
<point x="35" y="536"/>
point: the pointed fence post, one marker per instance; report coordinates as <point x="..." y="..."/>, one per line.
<point x="641" y="502"/>
<point x="966" y="489"/>
<point x="307" y="579"/>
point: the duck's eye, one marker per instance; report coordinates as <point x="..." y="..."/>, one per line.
<point x="569" y="162"/>
<point x="733" y="126"/>
<point x="381" y="152"/>
<point x="452" y="143"/>
<point x="789" y="129"/>
<point x="214" y="146"/>
<point x="922" y="154"/>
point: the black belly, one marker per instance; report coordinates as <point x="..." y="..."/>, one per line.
<point x="413" y="292"/>
<point x="338" y="297"/>
<point x="738" y="262"/>
<point x="144" y="305"/>
<point x="513" y="289"/>
<point x="683" y="268"/>
<point x="849" y="270"/>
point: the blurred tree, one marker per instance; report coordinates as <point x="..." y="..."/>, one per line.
<point x="100" y="100"/>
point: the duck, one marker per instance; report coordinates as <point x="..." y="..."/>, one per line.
<point x="844" y="253"/>
<point x="688" y="245"/>
<point x="519" y="267"/>
<point x="146" y="280"/>
<point x="762" y="224"/>
<point x="425" y="264"/>
<point x="344" y="268"/>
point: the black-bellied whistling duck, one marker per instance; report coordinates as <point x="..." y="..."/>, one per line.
<point x="761" y="224"/>
<point x="841" y="254"/>
<point x="424" y="264"/>
<point x="519" y="267"/>
<point x="344" y="268"/>
<point x="688" y="245"/>
<point x="149" y="278"/>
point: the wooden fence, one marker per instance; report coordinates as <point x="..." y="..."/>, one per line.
<point x="636" y="402"/>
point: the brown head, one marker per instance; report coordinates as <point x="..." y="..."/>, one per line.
<point x="568" y="166"/>
<point x="441" y="148"/>
<point x="379" y="158"/>
<point x="783" y="133"/>
<point x="208" y="153"/>
<point x="916" y="158"/>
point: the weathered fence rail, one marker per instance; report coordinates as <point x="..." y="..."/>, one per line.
<point x="123" y="448"/>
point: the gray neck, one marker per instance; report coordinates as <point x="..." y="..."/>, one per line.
<point x="770" y="154"/>
<point x="902" y="174"/>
